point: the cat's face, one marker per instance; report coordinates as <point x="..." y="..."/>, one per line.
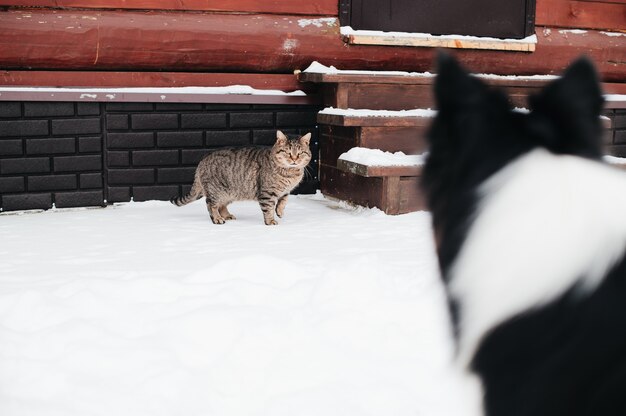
<point x="292" y="153"/>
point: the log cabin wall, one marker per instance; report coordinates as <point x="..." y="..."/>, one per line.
<point x="85" y="153"/>
<point x="255" y="36"/>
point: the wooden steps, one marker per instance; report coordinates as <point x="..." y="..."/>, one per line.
<point x="393" y="189"/>
<point x="395" y="91"/>
<point x="396" y="193"/>
<point x="391" y="124"/>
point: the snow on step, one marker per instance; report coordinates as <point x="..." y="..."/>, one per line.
<point x="318" y="68"/>
<point x="377" y="163"/>
<point x="351" y="112"/>
<point x="376" y="157"/>
<point x="613" y="160"/>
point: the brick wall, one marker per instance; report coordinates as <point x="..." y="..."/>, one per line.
<point x="85" y="154"/>
<point x="616" y="140"/>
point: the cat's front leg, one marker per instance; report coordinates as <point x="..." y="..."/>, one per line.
<point x="268" y="205"/>
<point x="280" y="206"/>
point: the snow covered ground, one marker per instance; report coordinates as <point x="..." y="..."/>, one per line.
<point x="150" y="309"/>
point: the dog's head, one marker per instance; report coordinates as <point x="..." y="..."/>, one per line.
<point x="477" y="132"/>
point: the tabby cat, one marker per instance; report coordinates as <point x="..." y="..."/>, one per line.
<point x="262" y="174"/>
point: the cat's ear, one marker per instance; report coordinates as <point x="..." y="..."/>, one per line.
<point x="306" y="139"/>
<point x="280" y="137"/>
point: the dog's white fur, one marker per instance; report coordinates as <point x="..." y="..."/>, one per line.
<point x="545" y="223"/>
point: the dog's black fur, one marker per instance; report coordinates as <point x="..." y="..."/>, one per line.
<point x="564" y="358"/>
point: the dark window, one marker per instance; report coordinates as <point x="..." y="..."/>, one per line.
<point x="495" y="18"/>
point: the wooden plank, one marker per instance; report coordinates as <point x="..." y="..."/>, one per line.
<point x="377" y="171"/>
<point x="313" y="7"/>
<point x="410" y="140"/>
<point x="350" y="187"/>
<point x="411" y="197"/>
<point x="364" y="121"/>
<point x="389" y="97"/>
<point x="581" y="14"/>
<point x="177" y="41"/>
<point x="368" y="192"/>
<point x="391" y="195"/>
<point x="440" y="42"/>
<point x="283" y="82"/>
<point x="606" y="1"/>
<point x="614" y="88"/>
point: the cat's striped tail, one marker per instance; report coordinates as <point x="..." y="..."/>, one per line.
<point x="194" y="194"/>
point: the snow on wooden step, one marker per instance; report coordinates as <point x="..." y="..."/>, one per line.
<point x="374" y="162"/>
<point x="364" y="117"/>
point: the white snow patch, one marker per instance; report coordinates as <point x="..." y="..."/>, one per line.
<point x="572" y="31"/>
<point x="615" y="97"/>
<point x="614" y="160"/>
<point x="328" y="21"/>
<point x="318" y="68"/>
<point x="289" y="45"/>
<point x="376" y="157"/>
<point x="347" y="31"/>
<point x="149" y="309"/>
<point x="91" y="92"/>
<point x="418" y="112"/>
<point x="613" y="34"/>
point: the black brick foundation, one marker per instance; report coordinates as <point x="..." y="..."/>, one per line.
<point x="68" y="154"/>
<point x="616" y="136"/>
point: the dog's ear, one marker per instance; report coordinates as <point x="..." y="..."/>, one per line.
<point x="455" y="89"/>
<point x="565" y="116"/>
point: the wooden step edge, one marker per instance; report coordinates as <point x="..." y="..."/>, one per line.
<point x="377" y="171"/>
<point x="356" y="38"/>
<point x="386" y="119"/>
<point x="370" y="77"/>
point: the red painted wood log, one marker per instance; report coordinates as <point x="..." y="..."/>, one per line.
<point x="283" y="82"/>
<point x="311" y="7"/>
<point x="607" y="15"/>
<point x="176" y="41"/>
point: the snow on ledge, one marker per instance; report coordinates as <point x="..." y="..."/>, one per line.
<point x="348" y="31"/>
<point x="615" y="97"/>
<point x="110" y="92"/>
<point x="318" y="68"/>
<point x="613" y="34"/>
<point x="614" y="160"/>
<point x="418" y="112"/>
<point x="376" y="157"/>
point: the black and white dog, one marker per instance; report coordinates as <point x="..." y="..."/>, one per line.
<point x="530" y="229"/>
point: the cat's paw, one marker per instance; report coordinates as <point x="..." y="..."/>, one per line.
<point x="271" y="222"/>
<point x="218" y="221"/>
<point x="230" y="217"/>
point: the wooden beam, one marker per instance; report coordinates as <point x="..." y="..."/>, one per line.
<point x="582" y="14"/>
<point x="283" y="82"/>
<point x="312" y="7"/>
<point x="364" y="121"/>
<point x="177" y="41"/>
<point x="439" y="42"/>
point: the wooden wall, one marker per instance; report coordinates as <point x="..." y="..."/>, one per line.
<point x="265" y="37"/>
<point x="582" y="14"/>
